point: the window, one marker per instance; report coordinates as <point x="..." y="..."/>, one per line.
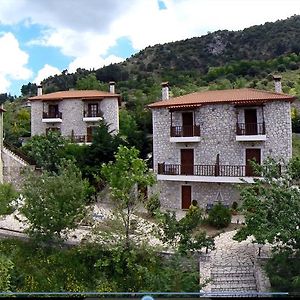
<point x="93" y="110"/>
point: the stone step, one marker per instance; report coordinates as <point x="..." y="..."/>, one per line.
<point x="235" y="288"/>
<point x="237" y="279"/>
<point x="232" y="273"/>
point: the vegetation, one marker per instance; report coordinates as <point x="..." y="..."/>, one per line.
<point x="219" y="216"/>
<point x="125" y="177"/>
<point x="272" y="214"/>
<point x="7" y="195"/>
<point x="54" y="203"/>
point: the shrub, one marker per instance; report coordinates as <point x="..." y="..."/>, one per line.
<point x="219" y="216"/>
<point x="234" y="205"/>
<point x="152" y="205"/>
<point x="7" y="195"/>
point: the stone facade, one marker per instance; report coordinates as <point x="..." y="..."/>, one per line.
<point x="72" y="116"/>
<point x="218" y="138"/>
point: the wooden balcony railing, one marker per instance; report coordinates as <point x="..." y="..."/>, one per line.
<point x="52" y="115"/>
<point x="207" y="170"/>
<point x="185" y="131"/>
<point x="250" y="128"/>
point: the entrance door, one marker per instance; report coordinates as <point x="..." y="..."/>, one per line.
<point x="187" y="123"/>
<point x="89" y="132"/>
<point x="187" y="161"/>
<point x="250" y="122"/>
<point x="252" y="154"/>
<point x="186" y="196"/>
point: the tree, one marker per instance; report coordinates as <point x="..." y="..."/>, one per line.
<point x="7" y="195"/>
<point x="124" y="176"/>
<point x="182" y="235"/>
<point x="54" y="203"/>
<point x="6" y="266"/>
<point x="47" y="150"/>
<point x="90" y="82"/>
<point x="272" y="207"/>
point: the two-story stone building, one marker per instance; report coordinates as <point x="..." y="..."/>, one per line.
<point x="203" y="142"/>
<point x="75" y="113"/>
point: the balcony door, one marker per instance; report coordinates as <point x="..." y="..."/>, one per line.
<point x="187" y="161"/>
<point x="250" y="122"/>
<point x="92" y="109"/>
<point x="187" y="123"/>
<point x="53" y="110"/>
<point x="252" y="154"/>
<point x="186" y="196"/>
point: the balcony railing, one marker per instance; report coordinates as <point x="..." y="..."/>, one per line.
<point x="52" y="115"/>
<point x="91" y="114"/>
<point x="81" y="138"/>
<point x="207" y="170"/>
<point x="250" y="128"/>
<point x="185" y="131"/>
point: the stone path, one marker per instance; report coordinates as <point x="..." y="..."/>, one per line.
<point x="231" y="267"/>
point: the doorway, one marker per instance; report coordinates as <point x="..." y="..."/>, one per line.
<point x="250" y="122"/>
<point x="187" y="161"/>
<point x="186" y="196"/>
<point x="252" y="154"/>
<point x="187" y="124"/>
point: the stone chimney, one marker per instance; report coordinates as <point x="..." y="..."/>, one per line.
<point x="277" y="83"/>
<point x="165" y="90"/>
<point x="39" y="90"/>
<point x="112" y="85"/>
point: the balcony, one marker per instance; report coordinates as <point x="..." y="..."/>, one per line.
<point x="91" y="116"/>
<point x="206" y="173"/>
<point x="184" y="134"/>
<point x="249" y="132"/>
<point x="81" y="139"/>
<point x="52" y="117"/>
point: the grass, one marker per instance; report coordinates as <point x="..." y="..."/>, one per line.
<point x="296" y="145"/>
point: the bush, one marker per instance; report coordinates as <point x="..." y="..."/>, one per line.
<point x="219" y="216"/>
<point x="152" y="205"/>
<point x="7" y="195"/>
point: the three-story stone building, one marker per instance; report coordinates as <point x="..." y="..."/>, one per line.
<point x="203" y="142"/>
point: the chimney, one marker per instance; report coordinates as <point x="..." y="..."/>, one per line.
<point x="112" y="87"/>
<point x="39" y="90"/>
<point x="165" y="90"/>
<point x="277" y="83"/>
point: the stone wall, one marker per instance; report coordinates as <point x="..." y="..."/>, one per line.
<point x="218" y="136"/>
<point x="13" y="168"/>
<point x="170" y="193"/>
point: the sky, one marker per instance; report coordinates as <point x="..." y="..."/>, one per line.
<point x="40" y="38"/>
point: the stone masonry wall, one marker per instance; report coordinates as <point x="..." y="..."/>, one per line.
<point x="218" y="136"/>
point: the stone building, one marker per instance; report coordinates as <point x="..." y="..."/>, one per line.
<point x="203" y="142"/>
<point x="75" y="113"/>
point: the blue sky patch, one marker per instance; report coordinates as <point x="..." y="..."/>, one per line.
<point x="161" y="5"/>
<point x="123" y="48"/>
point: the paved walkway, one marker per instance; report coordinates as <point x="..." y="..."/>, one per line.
<point x="233" y="266"/>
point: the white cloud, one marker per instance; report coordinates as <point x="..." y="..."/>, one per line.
<point x="85" y="30"/>
<point x="90" y="62"/>
<point x="13" y="61"/>
<point x="45" y="72"/>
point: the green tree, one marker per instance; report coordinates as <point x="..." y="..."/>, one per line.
<point x="16" y="122"/>
<point x="47" y="150"/>
<point x="90" y="82"/>
<point x="54" y="203"/>
<point x="6" y="267"/>
<point x="272" y="207"/>
<point x="7" y="195"/>
<point x="182" y="235"/>
<point x="124" y="176"/>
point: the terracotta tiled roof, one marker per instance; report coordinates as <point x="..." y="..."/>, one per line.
<point x="235" y="96"/>
<point x="75" y="94"/>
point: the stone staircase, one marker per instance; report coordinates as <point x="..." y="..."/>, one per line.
<point x="233" y="278"/>
<point x="230" y="268"/>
